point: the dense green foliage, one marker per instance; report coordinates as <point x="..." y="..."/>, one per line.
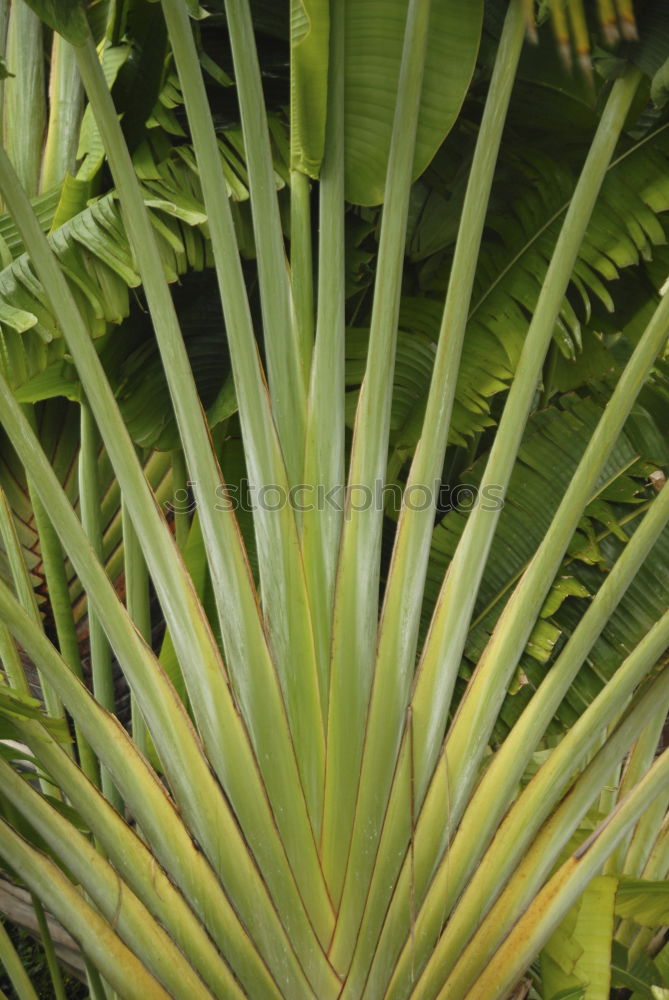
<point x="366" y="744"/>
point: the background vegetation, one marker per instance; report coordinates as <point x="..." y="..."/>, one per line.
<point x="380" y="751"/>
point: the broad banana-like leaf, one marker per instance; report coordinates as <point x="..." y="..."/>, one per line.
<point x="24" y="112"/>
<point x="67" y="17"/>
<point x="646" y="903"/>
<point x="578" y="955"/>
<point x="309" y="31"/>
<point x="374" y="32"/>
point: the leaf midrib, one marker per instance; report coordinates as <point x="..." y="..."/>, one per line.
<point x="556" y="215"/>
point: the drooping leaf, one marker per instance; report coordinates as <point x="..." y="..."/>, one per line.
<point x="659" y="90"/>
<point x="646" y="903"/>
<point x="24" y="98"/>
<point x="309" y="34"/>
<point x="67" y="17"/>
<point x="14" y="705"/>
<point x="374" y="34"/>
<point x="577" y="957"/>
<point x="74" y="194"/>
<point x="91" y="149"/>
<point x="564" y="587"/>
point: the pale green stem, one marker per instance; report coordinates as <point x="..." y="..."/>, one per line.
<point x="656" y="870"/>
<point x="490" y="799"/>
<point x="139" y="608"/>
<point x="53" y="561"/>
<point x="479" y="707"/>
<point x="560" y="893"/>
<point x="301" y="267"/>
<point x="47" y="944"/>
<point x="180" y="493"/>
<point x="232" y="582"/>
<point x="99" y="880"/>
<point x="282" y="577"/>
<point x="400" y="619"/>
<point x="200" y="803"/>
<point x="646" y="940"/>
<point x="119" y="965"/>
<point x="609" y="793"/>
<point x="66" y="101"/>
<point x="4" y="19"/>
<point x="357" y="585"/>
<point x="465" y="901"/>
<point x="11" y="663"/>
<point x="11" y="962"/>
<point x="324" y="456"/>
<point x="24" y="589"/>
<point x="443" y="649"/>
<point x="229" y="749"/>
<point x="282" y="339"/>
<point x="14" y="553"/>
<point x="657" y="866"/>
<point x="283" y="585"/>
<point x="136" y="865"/>
<point x="89" y="504"/>
<point x="632" y="853"/>
<point x="95" y="982"/>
